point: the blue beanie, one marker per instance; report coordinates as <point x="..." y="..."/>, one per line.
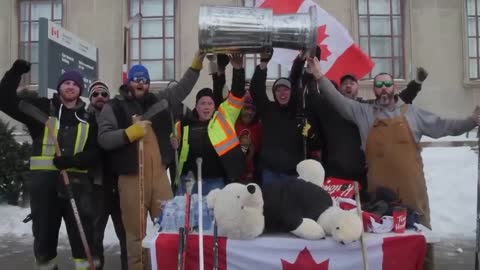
<point x="71" y="76"/>
<point x="138" y="71"/>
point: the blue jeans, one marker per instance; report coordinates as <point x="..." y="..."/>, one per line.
<point x="269" y="177"/>
<point x="208" y="184"/>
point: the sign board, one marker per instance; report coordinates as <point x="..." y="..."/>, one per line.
<point x="61" y="51"/>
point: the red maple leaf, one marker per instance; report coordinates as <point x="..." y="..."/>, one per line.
<point x="305" y="261"/>
<point x="322" y="35"/>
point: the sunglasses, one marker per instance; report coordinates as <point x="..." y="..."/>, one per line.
<point x="96" y="94"/>
<point x="379" y="84"/>
<point x="140" y="80"/>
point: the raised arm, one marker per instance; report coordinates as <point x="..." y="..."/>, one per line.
<point x="414" y="86"/>
<point x="8" y="91"/>
<point x="343" y="105"/>
<point x="238" y="77"/>
<point x="177" y="93"/>
<point x="218" y="77"/>
<point x="435" y="126"/>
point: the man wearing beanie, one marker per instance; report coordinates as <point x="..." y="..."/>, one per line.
<point x="76" y="135"/>
<point x="209" y="133"/>
<point x="282" y="141"/>
<point x="119" y="135"/>
<point x="105" y="185"/>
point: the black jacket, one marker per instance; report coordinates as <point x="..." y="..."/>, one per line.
<point x="282" y="145"/>
<point x="69" y="119"/>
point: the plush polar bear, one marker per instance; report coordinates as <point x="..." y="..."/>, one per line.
<point x="297" y="206"/>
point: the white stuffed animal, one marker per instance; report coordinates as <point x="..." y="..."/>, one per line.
<point x="238" y="210"/>
<point x="296" y="206"/>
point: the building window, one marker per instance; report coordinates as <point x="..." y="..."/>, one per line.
<point x="152" y="38"/>
<point x="30" y="13"/>
<point x="274" y="71"/>
<point x="473" y="35"/>
<point x="381" y="35"/>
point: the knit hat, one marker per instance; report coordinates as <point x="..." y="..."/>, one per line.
<point x="205" y="92"/>
<point x="97" y="85"/>
<point x="71" y="75"/>
<point x="138" y="71"/>
<point x="282" y="82"/>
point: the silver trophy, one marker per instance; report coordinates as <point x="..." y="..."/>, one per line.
<point x="253" y="30"/>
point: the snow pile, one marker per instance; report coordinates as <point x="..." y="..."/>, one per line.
<point x="451" y="175"/>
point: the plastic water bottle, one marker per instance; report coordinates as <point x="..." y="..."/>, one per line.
<point x="180" y="217"/>
<point x="194" y="212"/>
<point x="168" y="222"/>
<point x="207" y="221"/>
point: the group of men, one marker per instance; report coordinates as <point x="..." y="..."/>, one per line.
<point x="244" y="137"/>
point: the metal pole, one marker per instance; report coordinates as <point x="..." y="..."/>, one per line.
<point x="200" y="212"/>
<point x="477" y="246"/>
<point x="366" y="265"/>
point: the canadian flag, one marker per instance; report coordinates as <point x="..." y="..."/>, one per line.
<point x="340" y="55"/>
<point x="285" y="252"/>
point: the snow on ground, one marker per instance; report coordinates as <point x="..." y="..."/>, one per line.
<point x="11" y="226"/>
<point x="451" y="174"/>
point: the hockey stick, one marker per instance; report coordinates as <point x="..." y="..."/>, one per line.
<point x="43" y="118"/>
<point x="141" y="187"/>
<point x="186" y="229"/>
<point x="200" y="212"/>
<point x="215" y="245"/>
<point x="366" y="265"/>
<point x="477" y="246"/>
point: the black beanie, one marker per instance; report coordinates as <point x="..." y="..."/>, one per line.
<point x="205" y="92"/>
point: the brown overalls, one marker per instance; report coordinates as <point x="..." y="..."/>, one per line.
<point x="394" y="161"/>
<point x="156" y="189"/>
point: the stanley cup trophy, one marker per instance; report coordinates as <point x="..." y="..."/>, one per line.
<point x="253" y="30"/>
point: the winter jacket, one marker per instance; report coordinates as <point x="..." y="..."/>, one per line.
<point x="282" y="143"/>
<point x="226" y="163"/>
<point x="342" y="156"/>
<point x="68" y="119"/>
<point x="103" y="173"/>
<point x="117" y="114"/>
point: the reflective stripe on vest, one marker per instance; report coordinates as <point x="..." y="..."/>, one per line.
<point x="235" y="101"/>
<point x="230" y="140"/>
<point x="45" y="161"/>
<point x="183" y="152"/>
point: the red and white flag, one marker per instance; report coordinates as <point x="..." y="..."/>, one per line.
<point x="385" y="252"/>
<point x="340" y="55"/>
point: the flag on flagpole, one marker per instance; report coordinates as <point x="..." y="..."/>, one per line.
<point x="340" y="54"/>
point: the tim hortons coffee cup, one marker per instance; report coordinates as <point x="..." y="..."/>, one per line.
<point x="399" y="219"/>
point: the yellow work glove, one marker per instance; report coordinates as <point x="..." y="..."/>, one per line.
<point x="197" y="62"/>
<point x="137" y="131"/>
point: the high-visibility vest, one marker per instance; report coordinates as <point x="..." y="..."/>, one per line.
<point x="221" y="130"/>
<point x="45" y="160"/>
